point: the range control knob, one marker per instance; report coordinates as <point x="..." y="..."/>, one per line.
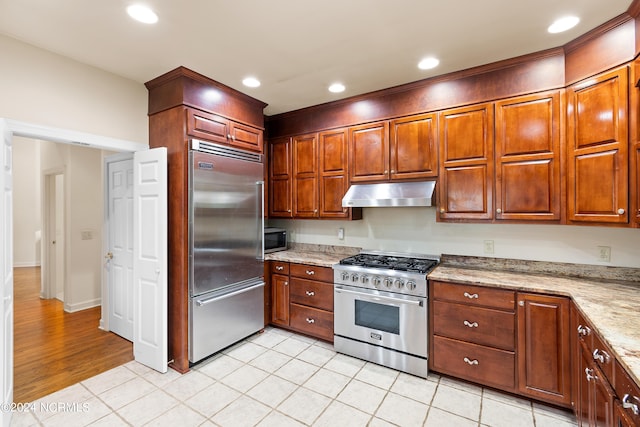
<point x="377" y="282"/>
<point x="388" y="282"/>
<point x="411" y="285"/>
<point x="354" y="277"/>
<point x="345" y="275"/>
<point x="364" y="279"/>
<point x="398" y="283"/>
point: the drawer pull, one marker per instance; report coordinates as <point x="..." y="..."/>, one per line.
<point x="310" y="320"/>
<point x="279" y="267"/>
<point x="601" y="355"/>
<point x="584" y="331"/>
<point x="589" y="373"/>
<point x="628" y="405"/>
<point x="311" y="272"/>
<point x="286" y="283"/>
<point x="471" y="296"/>
<point x="310" y="293"/>
<point x="471" y="362"/>
<point x="471" y="325"/>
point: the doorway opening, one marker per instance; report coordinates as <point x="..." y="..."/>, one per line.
<point x="59" y="342"/>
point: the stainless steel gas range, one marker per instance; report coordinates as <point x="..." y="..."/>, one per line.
<point x="380" y="308"/>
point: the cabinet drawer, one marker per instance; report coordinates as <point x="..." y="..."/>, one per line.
<point x="474" y="295"/>
<point x="312" y="293"/>
<point x="484" y="365"/>
<point x="280" y="267"/>
<point x="324" y="274"/>
<point x="312" y="321"/>
<point x="625" y="386"/>
<point x="475" y="324"/>
<point x="603" y="357"/>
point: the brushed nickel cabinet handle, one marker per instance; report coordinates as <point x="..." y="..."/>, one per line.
<point x="601" y="355"/>
<point x="311" y="272"/>
<point x="279" y="267"/>
<point x="310" y="293"/>
<point x="469" y="324"/>
<point x="471" y="296"/>
<point x="621" y="211"/>
<point x="471" y="362"/>
<point x="310" y="321"/>
<point x="584" y="330"/>
<point x="628" y="405"/>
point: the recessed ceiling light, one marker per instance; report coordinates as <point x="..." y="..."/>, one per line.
<point x="428" y="63"/>
<point x="336" y="88"/>
<point x="251" y="82"/>
<point x="563" y="24"/>
<point x="142" y="14"/>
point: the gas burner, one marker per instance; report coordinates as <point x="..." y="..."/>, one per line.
<point x="395" y="262"/>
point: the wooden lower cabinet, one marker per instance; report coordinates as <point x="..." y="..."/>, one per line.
<point x="480" y="334"/>
<point x="544" y="348"/>
<point x="302" y="298"/>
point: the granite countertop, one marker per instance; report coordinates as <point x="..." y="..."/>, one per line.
<point x="320" y="255"/>
<point x="608" y="298"/>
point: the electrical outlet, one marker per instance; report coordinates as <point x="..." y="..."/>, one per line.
<point x="604" y="253"/>
<point x="488" y="246"/>
<point x="341" y="233"/>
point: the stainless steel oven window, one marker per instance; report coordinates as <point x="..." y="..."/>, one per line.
<point x="381" y="317"/>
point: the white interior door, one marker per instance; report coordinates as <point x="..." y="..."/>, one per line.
<point x="150" y="344"/>
<point x="6" y="275"/>
<point x="119" y="254"/>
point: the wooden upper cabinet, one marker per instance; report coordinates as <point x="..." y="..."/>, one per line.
<point x="634" y="136"/>
<point x="414" y="147"/>
<point x="280" y="178"/>
<point x="528" y="158"/>
<point x="334" y="176"/>
<point x="597" y="152"/>
<point x="466" y="163"/>
<point x="305" y="176"/>
<point x="215" y="128"/>
<point x="369" y="152"/>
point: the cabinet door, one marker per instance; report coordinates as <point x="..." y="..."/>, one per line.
<point x="414" y="149"/>
<point x="305" y="176"/>
<point x="597" y="156"/>
<point x="246" y="137"/>
<point x="279" y="300"/>
<point x="466" y="163"/>
<point x="208" y="126"/>
<point x="527" y="158"/>
<point x="369" y="152"/>
<point x="543" y="352"/>
<point x="280" y="177"/>
<point x="334" y="175"/>
<point x="634" y="136"/>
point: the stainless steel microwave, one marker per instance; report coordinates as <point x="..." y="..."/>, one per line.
<point x="275" y="239"/>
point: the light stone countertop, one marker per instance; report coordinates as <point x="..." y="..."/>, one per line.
<point x="612" y="306"/>
<point x="319" y="255"/>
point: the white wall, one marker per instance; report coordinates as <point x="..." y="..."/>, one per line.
<point x="41" y="87"/>
<point x="416" y="230"/>
<point x="26" y="203"/>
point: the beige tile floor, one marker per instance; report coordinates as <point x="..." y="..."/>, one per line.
<point x="281" y="379"/>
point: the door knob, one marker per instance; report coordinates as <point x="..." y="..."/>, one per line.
<point x="109" y="255"/>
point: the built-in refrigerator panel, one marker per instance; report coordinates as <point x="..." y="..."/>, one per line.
<point x="226" y="222"/>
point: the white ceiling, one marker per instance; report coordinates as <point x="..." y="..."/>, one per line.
<point x="298" y="47"/>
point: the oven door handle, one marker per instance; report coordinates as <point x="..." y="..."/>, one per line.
<point x="379" y="297"/>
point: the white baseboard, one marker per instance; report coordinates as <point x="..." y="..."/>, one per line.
<point x="26" y="264"/>
<point x="70" y="308"/>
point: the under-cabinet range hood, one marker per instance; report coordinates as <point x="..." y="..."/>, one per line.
<point x="390" y="194"/>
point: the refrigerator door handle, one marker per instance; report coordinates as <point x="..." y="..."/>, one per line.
<point x="260" y="248"/>
<point x="206" y="301"/>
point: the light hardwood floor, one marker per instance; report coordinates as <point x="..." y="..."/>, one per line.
<point x="54" y="349"/>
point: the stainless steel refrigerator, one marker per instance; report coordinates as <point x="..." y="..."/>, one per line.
<point x="226" y="254"/>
